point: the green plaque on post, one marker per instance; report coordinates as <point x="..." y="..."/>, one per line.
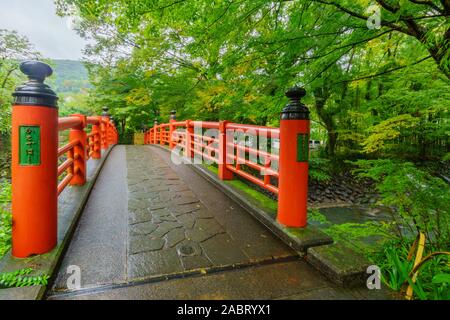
<point x="29" y="145"/>
<point x="302" y="147"/>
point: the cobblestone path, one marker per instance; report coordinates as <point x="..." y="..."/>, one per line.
<point x="171" y="230"/>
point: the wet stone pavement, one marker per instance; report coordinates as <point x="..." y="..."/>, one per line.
<point x="171" y="230"/>
<point x="154" y="230"/>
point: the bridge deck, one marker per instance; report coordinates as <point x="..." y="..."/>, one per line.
<point x="154" y="230"/>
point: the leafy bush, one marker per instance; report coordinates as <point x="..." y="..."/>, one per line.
<point x="384" y="134"/>
<point x="5" y="217"/>
<point x="353" y="233"/>
<point x="433" y="281"/>
<point x="420" y="199"/>
<point x="319" y="169"/>
<point x="21" y="278"/>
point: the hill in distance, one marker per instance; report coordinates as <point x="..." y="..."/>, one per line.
<point x="69" y="76"/>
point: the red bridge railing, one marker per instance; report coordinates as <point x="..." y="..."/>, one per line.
<point x="236" y="158"/>
<point x="82" y="146"/>
<point x="275" y="159"/>
<point x="41" y="169"/>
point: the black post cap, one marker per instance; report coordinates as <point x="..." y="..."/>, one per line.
<point x="36" y="70"/>
<point x="34" y="92"/>
<point x="105" y="112"/>
<point x="295" y="110"/>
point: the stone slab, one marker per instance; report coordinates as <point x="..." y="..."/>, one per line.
<point x="340" y="264"/>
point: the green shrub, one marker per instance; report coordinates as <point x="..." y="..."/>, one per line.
<point x="420" y="199"/>
<point x="5" y="217"/>
<point x="21" y="278"/>
<point x="319" y="169"/>
<point x="433" y="280"/>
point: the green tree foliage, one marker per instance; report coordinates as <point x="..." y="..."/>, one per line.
<point x="13" y="49"/>
<point x="233" y="60"/>
<point x="69" y="76"/>
<point x="421" y="199"/>
<point x="5" y="217"/>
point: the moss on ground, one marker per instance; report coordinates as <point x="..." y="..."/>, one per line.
<point x="264" y="201"/>
<point x="355" y="235"/>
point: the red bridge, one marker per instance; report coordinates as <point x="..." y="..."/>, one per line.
<point x="165" y="220"/>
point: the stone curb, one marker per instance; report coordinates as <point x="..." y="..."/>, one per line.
<point x="339" y="264"/>
<point x="70" y="207"/>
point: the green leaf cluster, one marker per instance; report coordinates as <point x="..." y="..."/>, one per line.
<point x="21" y="278"/>
<point x="5" y="217"/>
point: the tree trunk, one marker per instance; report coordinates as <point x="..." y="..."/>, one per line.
<point x="8" y="74"/>
<point x="332" y="141"/>
<point x="321" y="96"/>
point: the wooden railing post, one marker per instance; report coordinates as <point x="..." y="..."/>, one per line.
<point x="103" y="133"/>
<point x="155" y="131"/>
<point x="112" y="131"/>
<point x="189" y="132"/>
<point x="34" y="163"/>
<point x="224" y="173"/>
<point x="97" y="153"/>
<point x="108" y="130"/>
<point x="79" y="151"/>
<point x="293" y="165"/>
<point x="105" y="129"/>
<point x="161" y="134"/>
<point x="114" y="135"/>
<point x="173" y="118"/>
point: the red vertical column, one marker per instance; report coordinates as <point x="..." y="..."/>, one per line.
<point x="162" y="131"/>
<point x="107" y="131"/>
<point x="293" y="165"/>
<point x="155" y="131"/>
<point x="78" y="134"/>
<point x="34" y="163"/>
<point x="173" y="118"/>
<point x="103" y="133"/>
<point x="224" y="173"/>
<point x="104" y="128"/>
<point x="97" y="140"/>
<point x="189" y="139"/>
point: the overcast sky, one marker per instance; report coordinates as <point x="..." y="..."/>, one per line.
<point x="37" y="20"/>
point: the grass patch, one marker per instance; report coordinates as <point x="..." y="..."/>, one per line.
<point x="364" y="237"/>
<point x="5" y="217"/>
<point x="257" y="196"/>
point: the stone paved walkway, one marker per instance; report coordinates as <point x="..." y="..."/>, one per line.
<point x="154" y="230"/>
<point x="171" y="230"/>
